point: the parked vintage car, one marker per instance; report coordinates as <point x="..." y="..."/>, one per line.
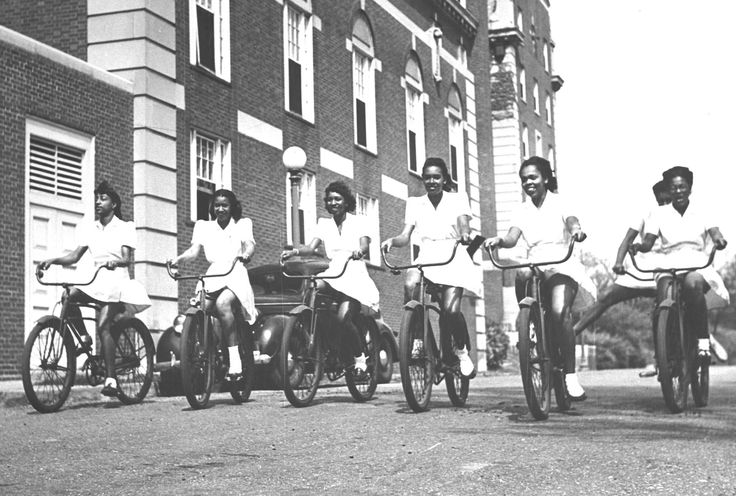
<point x="275" y="296"/>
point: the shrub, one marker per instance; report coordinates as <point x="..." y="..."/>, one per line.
<point x="497" y="346"/>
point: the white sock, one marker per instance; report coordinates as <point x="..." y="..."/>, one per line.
<point x="704" y="344"/>
<point x="110" y="381"/>
<point x="234" y="355"/>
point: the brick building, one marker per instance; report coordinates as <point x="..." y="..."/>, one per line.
<point x="523" y="98"/>
<point x="368" y="88"/>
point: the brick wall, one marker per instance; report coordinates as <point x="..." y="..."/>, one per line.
<point x="34" y="86"/>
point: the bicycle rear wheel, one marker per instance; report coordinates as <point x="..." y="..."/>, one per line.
<point x="134" y="353"/>
<point x="700" y="378"/>
<point x="240" y="389"/>
<point x="363" y="385"/>
<point x="457" y="385"/>
<point x="416" y="360"/>
<point x="671" y="358"/>
<point x="197" y="361"/>
<point x="301" y="359"/>
<point x="49" y="365"/>
<point x="534" y="362"/>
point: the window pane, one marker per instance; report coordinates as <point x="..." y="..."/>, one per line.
<point x="360" y="122"/>
<point x="206" y="26"/>
<point x="453" y="162"/>
<point x="412" y="151"/>
<point x="295" y="87"/>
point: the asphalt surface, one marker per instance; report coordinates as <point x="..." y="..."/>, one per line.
<point x="622" y="440"/>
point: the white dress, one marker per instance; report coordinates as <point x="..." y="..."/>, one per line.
<point x="435" y="231"/>
<point x="685" y="244"/>
<point x="221" y="246"/>
<point x="644" y="260"/>
<point x="105" y="244"/>
<point x="339" y="246"/>
<point x="545" y="232"/>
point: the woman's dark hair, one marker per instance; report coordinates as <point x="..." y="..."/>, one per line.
<point x="678" y="171"/>
<point x="438" y="162"/>
<point x="236" y="210"/>
<point x="544" y="168"/>
<point x="104" y="188"/>
<point x="343" y="190"/>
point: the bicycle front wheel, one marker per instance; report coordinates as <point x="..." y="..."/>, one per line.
<point x="197" y="361"/>
<point x="416" y="360"/>
<point x="49" y="365"/>
<point x="240" y="389"/>
<point x="534" y="362"/>
<point x="362" y="385"/>
<point x="134" y="353"/>
<point x="700" y="379"/>
<point x="301" y="359"/>
<point x="671" y="358"/>
<point x="457" y="385"/>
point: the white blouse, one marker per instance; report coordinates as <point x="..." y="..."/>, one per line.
<point x="432" y="223"/>
<point x="221" y="246"/>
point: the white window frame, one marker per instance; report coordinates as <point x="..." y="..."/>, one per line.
<point x="221" y="174"/>
<point x="524" y="142"/>
<point x="545" y="55"/>
<point x="548" y="108"/>
<point x="456" y="139"/>
<point x="522" y="84"/>
<point x="364" y="88"/>
<point x="307" y="204"/>
<point x="414" y="99"/>
<point x="367" y="207"/>
<point x="299" y="47"/>
<point x="221" y="33"/>
<point x="535" y="97"/>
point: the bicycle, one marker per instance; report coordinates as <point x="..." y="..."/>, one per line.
<point x="203" y="361"/>
<point x="540" y="358"/>
<point x="308" y="343"/>
<point x="421" y="363"/>
<point x="676" y="349"/>
<point x="49" y="362"/>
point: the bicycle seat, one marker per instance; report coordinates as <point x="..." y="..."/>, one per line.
<point x="305" y="266"/>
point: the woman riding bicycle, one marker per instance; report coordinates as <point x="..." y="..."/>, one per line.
<point x="227" y="236"/>
<point x="111" y="242"/>
<point x="683" y="229"/>
<point x="345" y="235"/>
<point x="437" y="220"/>
<point x="547" y="225"/>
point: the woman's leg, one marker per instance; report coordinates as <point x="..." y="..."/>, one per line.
<point x="615" y="295"/>
<point x="561" y="293"/>
<point x="350" y="345"/>
<point x="450" y="321"/>
<point x="694" y="288"/>
<point x="523" y="277"/>
<point x="74" y="314"/>
<point x="411" y="285"/>
<point x="104" y="324"/>
<point x="225" y="313"/>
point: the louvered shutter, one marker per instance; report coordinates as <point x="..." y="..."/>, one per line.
<point x="55" y="168"/>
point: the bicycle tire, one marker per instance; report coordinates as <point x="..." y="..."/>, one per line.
<point x="240" y="390"/>
<point x="301" y="360"/>
<point x="197" y="361"/>
<point x="534" y="362"/>
<point x="457" y="385"/>
<point x="134" y="351"/>
<point x="363" y="386"/>
<point x="417" y="372"/>
<point x="671" y="359"/>
<point x="47" y="383"/>
<point x="700" y="379"/>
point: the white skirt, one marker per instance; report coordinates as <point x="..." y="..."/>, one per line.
<point x="116" y="286"/>
<point x="237" y="282"/>
<point x="461" y="272"/>
<point x="717" y="295"/>
<point x="355" y="282"/>
<point x="573" y="268"/>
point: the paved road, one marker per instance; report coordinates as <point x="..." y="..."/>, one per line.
<point x="621" y="441"/>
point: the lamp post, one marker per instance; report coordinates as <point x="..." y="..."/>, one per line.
<point x="294" y="160"/>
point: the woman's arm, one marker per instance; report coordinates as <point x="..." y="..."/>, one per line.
<point x="463" y="228"/>
<point x="126" y="258"/>
<point x="573" y="227"/>
<point x="188" y="255"/>
<point x="310" y="249"/>
<point x="365" y="244"/>
<point x="508" y="241"/>
<point x="646" y="245"/>
<point x="400" y="240"/>
<point x="623" y="248"/>
<point x="717" y="237"/>
<point x="70" y="258"/>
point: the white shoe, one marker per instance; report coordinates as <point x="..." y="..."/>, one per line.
<point x="649" y="371"/>
<point x="417" y="348"/>
<point x="718" y="350"/>
<point x="360" y="363"/>
<point x="574" y="389"/>
<point x="466" y="363"/>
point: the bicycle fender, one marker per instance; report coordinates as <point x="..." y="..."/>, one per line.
<point x="528" y="301"/>
<point x="46" y="319"/>
<point x="126" y="320"/>
<point x="412" y="305"/>
<point x="192" y="311"/>
<point x="299" y="309"/>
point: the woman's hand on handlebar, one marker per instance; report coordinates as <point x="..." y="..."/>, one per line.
<point x="357" y="255"/>
<point x="618" y="268"/>
<point x="387" y="245"/>
<point x="287" y="254"/>
<point x="578" y="235"/>
<point x="465" y="239"/>
<point x="492" y="243"/>
<point x="720" y="243"/>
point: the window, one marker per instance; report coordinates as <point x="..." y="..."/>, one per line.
<point x="524" y="142"/>
<point x="551" y="158"/>
<point x="456" y="162"/>
<point x="210" y="172"/>
<point x="414" y="114"/>
<point x="535" y="97"/>
<point x="307" y="208"/>
<point x="520" y="19"/>
<point x="367" y="208"/>
<point x="549" y="58"/>
<point x="548" y="108"/>
<point x="55" y="168"/>
<point x="522" y="84"/>
<point x="545" y="55"/>
<point x="209" y="36"/>
<point x="298" y="62"/>
<point x="364" y="92"/>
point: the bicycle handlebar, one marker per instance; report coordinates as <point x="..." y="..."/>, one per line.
<point x="496" y="263"/>
<point x="672" y="270"/>
<point x="178" y="277"/>
<point x="314" y="276"/>
<point x="40" y="271"/>
<point x="412" y="266"/>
